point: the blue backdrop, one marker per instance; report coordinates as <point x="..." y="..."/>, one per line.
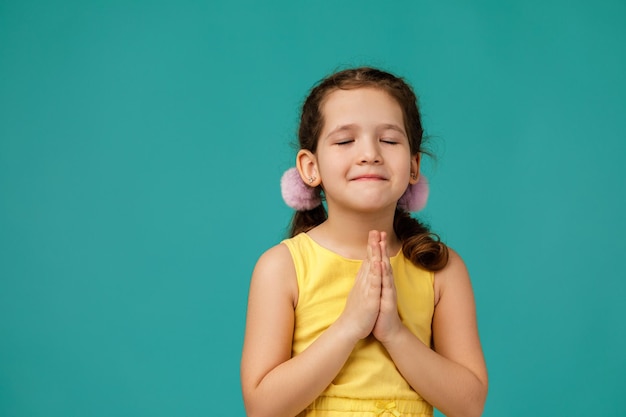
<point x="141" y="147"/>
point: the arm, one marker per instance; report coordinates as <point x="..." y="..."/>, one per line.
<point x="453" y="376"/>
<point x="273" y="383"/>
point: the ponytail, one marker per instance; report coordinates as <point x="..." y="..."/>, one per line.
<point x="303" y="221"/>
<point x="419" y="245"/>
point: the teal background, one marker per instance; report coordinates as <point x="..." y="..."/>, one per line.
<point x="141" y="147"/>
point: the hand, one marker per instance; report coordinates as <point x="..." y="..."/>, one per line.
<point x="388" y="321"/>
<point x="363" y="303"/>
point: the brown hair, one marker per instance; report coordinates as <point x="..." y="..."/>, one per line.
<point x="419" y="245"/>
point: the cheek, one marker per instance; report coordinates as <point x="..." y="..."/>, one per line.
<point x="327" y="164"/>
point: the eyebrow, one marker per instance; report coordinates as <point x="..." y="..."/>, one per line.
<point x="341" y="128"/>
<point x="351" y="126"/>
<point x="390" y="126"/>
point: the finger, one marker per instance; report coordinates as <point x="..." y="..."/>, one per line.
<point x="373" y="251"/>
<point x="374" y="243"/>
<point x="387" y="272"/>
<point x="387" y="276"/>
<point x="373" y="279"/>
<point x="383" y="243"/>
<point x="384" y="251"/>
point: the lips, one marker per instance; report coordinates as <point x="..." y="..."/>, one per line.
<point x="369" y="177"/>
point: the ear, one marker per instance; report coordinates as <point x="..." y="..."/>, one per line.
<point x="306" y="163"/>
<point x="415" y="168"/>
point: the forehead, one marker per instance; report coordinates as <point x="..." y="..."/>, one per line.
<point x="364" y="105"/>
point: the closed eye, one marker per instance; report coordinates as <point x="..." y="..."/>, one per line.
<point x="389" y="141"/>
<point x="344" y="141"/>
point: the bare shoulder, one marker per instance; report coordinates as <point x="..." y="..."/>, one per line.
<point x="454" y="273"/>
<point x="455" y="265"/>
<point x="453" y="285"/>
<point x="275" y="271"/>
<point x="275" y="257"/>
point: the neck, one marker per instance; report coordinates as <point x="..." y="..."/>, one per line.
<point x="346" y="233"/>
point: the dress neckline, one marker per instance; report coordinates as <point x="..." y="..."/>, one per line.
<point x="314" y="242"/>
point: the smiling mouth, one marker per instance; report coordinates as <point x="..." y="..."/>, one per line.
<point x="369" y="178"/>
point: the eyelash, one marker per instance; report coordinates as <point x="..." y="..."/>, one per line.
<point x="383" y="140"/>
<point x="389" y="141"/>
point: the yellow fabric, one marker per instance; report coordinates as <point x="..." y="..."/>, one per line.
<point x="369" y="383"/>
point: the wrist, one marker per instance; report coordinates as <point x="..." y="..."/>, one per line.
<point x="345" y="332"/>
<point x="396" y="338"/>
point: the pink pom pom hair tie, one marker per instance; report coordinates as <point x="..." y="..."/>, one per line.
<point x="416" y="195"/>
<point x="296" y="193"/>
<point x="301" y="197"/>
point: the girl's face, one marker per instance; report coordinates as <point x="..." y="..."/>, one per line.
<point x="363" y="158"/>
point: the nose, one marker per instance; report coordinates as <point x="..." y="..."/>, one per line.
<point x="370" y="152"/>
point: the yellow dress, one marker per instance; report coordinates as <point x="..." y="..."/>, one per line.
<point x="369" y="384"/>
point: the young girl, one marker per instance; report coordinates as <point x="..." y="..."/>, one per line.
<point x="362" y="311"/>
